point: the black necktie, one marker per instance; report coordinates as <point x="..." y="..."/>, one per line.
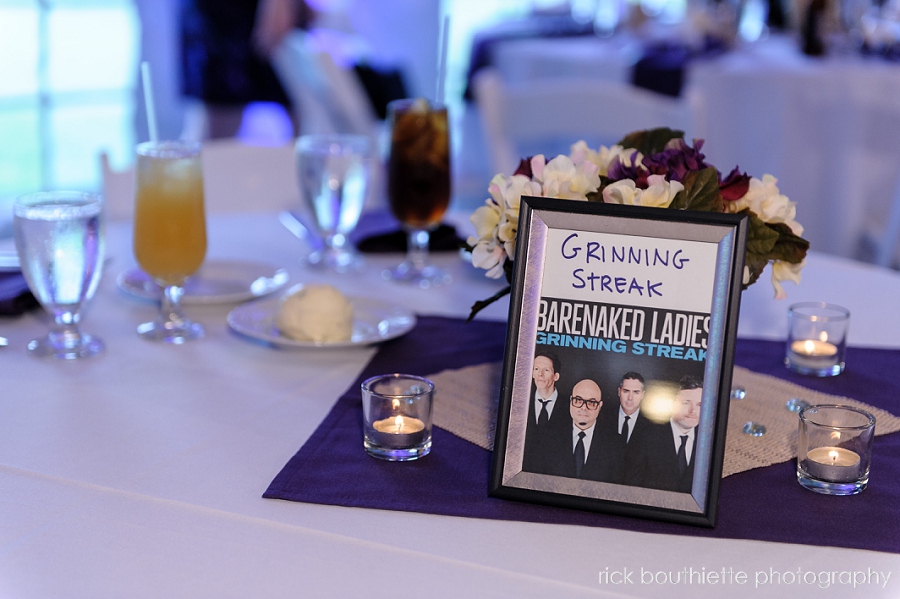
<point x="579" y="455"/>
<point x="625" y="428"/>
<point x="682" y="455"/>
<point x="544" y="416"/>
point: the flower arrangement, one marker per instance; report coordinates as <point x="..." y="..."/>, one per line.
<point x="655" y="168"/>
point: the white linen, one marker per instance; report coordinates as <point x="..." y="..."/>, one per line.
<point x="139" y="473"/>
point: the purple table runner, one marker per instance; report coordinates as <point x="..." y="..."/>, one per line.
<point x="15" y="298"/>
<point x="763" y="504"/>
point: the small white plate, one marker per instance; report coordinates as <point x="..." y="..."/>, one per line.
<point x="217" y="282"/>
<point x="373" y="322"/>
<point x="9" y="261"/>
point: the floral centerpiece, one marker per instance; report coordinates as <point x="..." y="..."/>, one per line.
<point x="654" y="168"/>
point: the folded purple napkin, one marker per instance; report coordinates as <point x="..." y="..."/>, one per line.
<point x="15" y="298"/>
<point x="379" y="232"/>
<point x="763" y="504"/>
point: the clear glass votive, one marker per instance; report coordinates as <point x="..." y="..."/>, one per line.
<point x="817" y="338"/>
<point x="397" y="416"/>
<point x="834" y="449"/>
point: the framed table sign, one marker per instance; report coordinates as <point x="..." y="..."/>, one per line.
<point x="618" y="359"/>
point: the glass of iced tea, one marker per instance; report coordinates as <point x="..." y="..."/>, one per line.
<point x="169" y="230"/>
<point x="418" y="183"/>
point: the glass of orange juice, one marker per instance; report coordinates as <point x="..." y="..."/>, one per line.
<point x="169" y="230"/>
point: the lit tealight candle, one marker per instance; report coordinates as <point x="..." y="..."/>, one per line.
<point x="813" y="354"/>
<point x="814" y="348"/>
<point x="832" y="464"/>
<point x="398" y="425"/>
<point x="398" y="432"/>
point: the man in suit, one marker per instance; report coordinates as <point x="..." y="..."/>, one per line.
<point x="584" y="450"/>
<point x="630" y="422"/>
<point x="548" y="416"/>
<point x="664" y="459"/>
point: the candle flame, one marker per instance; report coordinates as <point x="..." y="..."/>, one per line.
<point x="834" y="456"/>
<point x="823" y="336"/>
<point x="398" y="422"/>
<point x="809" y="346"/>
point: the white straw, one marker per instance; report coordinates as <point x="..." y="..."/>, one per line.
<point x="442" y="60"/>
<point x="148" y="101"/>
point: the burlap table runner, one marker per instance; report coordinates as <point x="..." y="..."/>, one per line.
<point x="466" y="405"/>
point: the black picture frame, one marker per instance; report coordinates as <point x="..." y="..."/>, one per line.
<point x="659" y="266"/>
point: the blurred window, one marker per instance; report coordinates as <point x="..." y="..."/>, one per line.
<point x="67" y="91"/>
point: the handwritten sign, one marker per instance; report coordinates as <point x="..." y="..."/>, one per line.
<point x="628" y="269"/>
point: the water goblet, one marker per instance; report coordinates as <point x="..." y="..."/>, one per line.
<point x="169" y="230"/>
<point x="418" y="183"/>
<point x="59" y="240"/>
<point x="333" y="171"/>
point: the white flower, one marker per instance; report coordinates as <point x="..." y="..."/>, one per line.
<point x="785" y="271"/>
<point x="621" y="192"/>
<point x="496" y="222"/>
<point x="487" y="252"/>
<point x="659" y="194"/>
<point x="602" y="158"/>
<point x="490" y="257"/>
<point x="769" y="204"/>
<point x="562" y="178"/>
<point x="485" y="218"/>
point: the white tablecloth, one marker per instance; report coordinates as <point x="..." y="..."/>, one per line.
<point x="139" y="473"/>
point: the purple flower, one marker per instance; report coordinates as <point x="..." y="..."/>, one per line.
<point x="676" y="160"/>
<point x="734" y="186"/>
<point x="524" y="168"/>
<point x="618" y="171"/>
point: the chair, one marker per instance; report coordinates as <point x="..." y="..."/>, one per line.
<point x="547" y="116"/>
<point x="330" y="99"/>
<point x="883" y="243"/>
<point x="327" y="97"/>
<point x="237" y="177"/>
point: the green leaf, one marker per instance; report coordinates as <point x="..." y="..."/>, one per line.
<point x="789" y="247"/>
<point x="650" y="141"/>
<point x="761" y="238"/>
<point x="701" y="192"/>
<point x="770" y="241"/>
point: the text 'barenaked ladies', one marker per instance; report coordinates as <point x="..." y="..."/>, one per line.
<point x="604" y="327"/>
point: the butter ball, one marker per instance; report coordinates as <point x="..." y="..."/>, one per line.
<point x="318" y="313"/>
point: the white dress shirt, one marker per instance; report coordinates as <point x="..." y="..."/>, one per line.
<point x="551" y="401"/>
<point x="677" y="433"/>
<point x="632" y="419"/>
<point x="588" y="436"/>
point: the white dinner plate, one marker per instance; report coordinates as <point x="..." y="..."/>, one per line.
<point x="217" y="282"/>
<point x="374" y="321"/>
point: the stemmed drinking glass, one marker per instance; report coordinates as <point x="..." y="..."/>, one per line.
<point x="169" y="230"/>
<point x="418" y="183"/>
<point x="59" y="239"/>
<point x="333" y="171"/>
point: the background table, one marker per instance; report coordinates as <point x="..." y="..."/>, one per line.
<point x="827" y="128"/>
<point x="139" y="473"/>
